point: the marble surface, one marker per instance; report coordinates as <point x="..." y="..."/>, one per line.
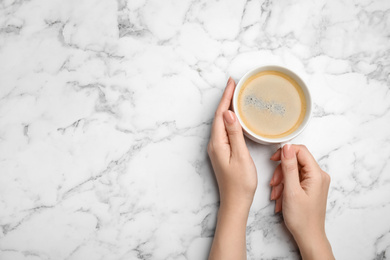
<point x="106" y="108"/>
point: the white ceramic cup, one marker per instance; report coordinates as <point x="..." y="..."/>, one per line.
<point x="263" y="140"/>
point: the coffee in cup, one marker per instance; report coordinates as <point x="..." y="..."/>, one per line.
<point x="272" y="104"/>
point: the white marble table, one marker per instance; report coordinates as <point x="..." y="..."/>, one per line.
<point x="105" y="113"/>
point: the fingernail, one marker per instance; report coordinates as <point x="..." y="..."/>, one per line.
<point x="229" y="79"/>
<point x="229" y="117"/>
<point x="288" y="152"/>
<point x="273" y="194"/>
<point x="272" y="181"/>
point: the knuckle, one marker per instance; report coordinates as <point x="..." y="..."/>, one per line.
<point x="289" y="166"/>
<point x="218" y="113"/>
<point x="234" y="130"/>
<point x="303" y="147"/>
<point x="213" y="148"/>
<point x="290" y="193"/>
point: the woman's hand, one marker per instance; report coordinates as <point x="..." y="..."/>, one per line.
<point x="233" y="166"/>
<point x="300" y="189"/>
<point x="237" y="180"/>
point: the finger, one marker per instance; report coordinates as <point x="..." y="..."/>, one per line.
<point x="277" y="191"/>
<point x="277" y="177"/>
<point x="227" y="96"/>
<point x="290" y="169"/>
<point x="276" y="155"/>
<point x="278" y="204"/>
<point x="235" y="135"/>
<point x="218" y="129"/>
<point x="305" y="158"/>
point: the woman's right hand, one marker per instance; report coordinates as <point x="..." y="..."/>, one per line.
<point x="300" y="189"/>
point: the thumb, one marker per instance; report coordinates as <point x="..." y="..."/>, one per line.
<point x="290" y="168"/>
<point x="234" y="131"/>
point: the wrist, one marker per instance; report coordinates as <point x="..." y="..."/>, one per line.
<point x="314" y="245"/>
<point x="235" y="205"/>
<point x="239" y="211"/>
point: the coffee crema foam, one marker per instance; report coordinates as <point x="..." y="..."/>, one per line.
<point x="271" y="104"/>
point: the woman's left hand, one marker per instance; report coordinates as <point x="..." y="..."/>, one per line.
<point x="233" y="165"/>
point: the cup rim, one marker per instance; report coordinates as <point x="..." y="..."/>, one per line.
<point x="309" y="104"/>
